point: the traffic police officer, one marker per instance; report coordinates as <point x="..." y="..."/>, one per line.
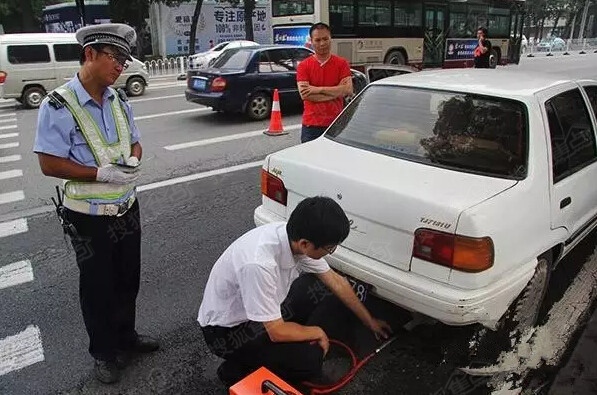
<point x="86" y="135"/>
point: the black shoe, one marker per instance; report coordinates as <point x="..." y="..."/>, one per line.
<point x="144" y="344"/>
<point x="106" y="371"/>
<point x="123" y="359"/>
<point x="230" y="372"/>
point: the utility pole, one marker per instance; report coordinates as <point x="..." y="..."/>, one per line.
<point x="81" y="9"/>
<point x="583" y="20"/>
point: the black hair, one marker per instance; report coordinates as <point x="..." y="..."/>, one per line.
<point x="97" y="47"/>
<point x="319" y="25"/>
<point x="320" y="220"/>
<point x="483" y="30"/>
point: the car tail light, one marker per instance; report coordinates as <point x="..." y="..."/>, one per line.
<point x="273" y="187"/>
<point x="218" y="84"/>
<point x="2" y="77"/>
<point x="468" y="254"/>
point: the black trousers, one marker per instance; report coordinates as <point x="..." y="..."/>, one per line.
<point x="108" y="251"/>
<point x="309" y="302"/>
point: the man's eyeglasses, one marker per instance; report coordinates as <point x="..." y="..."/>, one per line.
<point x="330" y="250"/>
<point x="119" y="60"/>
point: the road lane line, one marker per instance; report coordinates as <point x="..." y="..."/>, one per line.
<point x="8" y="135"/>
<point x="10" y="158"/>
<point x="198" y="176"/>
<point x="167" y="114"/>
<point x="5" y="175"/>
<point x="21" y="350"/>
<point x="15" y="274"/>
<point x="15" y="227"/>
<point x="8" y="127"/>
<point x="8" y="120"/>
<point x="9" y="114"/>
<point x="11" y="197"/>
<point x="231" y="137"/>
<point x="9" y="145"/>
<point x="155" y="98"/>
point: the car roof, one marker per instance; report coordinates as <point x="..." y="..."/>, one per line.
<point x="492" y="82"/>
<point x="264" y="47"/>
<point x="37" y="38"/>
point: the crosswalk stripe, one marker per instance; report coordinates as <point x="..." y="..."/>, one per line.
<point x="21" y="350"/>
<point x="8" y="127"/>
<point x="11" y="197"/>
<point x="10" y="114"/>
<point x="9" y="145"/>
<point x="5" y="175"/>
<point x="15" y="274"/>
<point x="8" y="120"/>
<point x="8" y="135"/>
<point x="10" y="158"/>
<point x="15" y="227"/>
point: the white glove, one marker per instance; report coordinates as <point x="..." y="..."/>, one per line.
<point x="133" y="161"/>
<point x="112" y="174"/>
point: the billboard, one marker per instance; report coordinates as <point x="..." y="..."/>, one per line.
<point x="218" y="22"/>
<point x="292" y="35"/>
<point x="65" y="17"/>
<point x="460" y="48"/>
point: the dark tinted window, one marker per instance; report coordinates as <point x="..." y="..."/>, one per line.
<point x="571" y="132"/>
<point x="592" y="93"/>
<point x="460" y="131"/>
<point x="300" y="55"/>
<point x="281" y="60"/>
<point x="265" y="66"/>
<point x="298" y="7"/>
<point x="18" y="54"/>
<point x="233" y="59"/>
<point x="67" y="52"/>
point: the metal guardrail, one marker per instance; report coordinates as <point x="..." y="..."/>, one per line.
<point x="168" y="66"/>
<point x="570" y="47"/>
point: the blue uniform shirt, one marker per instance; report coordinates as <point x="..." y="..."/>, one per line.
<point x="57" y="133"/>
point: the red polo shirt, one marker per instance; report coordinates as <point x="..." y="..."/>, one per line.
<point x="330" y="73"/>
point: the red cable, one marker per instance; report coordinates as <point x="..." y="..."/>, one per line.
<point x="317" y="389"/>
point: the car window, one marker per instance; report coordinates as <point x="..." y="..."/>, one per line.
<point x="299" y="55"/>
<point x="455" y="130"/>
<point x="571" y="133"/>
<point x="265" y="65"/>
<point x="233" y="59"/>
<point x="281" y="60"/>
<point x="19" y="54"/>
<point x="67" y="52"/>
<point x="592" y="94"/>
<point x="219" y="47"/>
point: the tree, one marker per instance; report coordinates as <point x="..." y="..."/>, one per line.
<point x="19" y="16"/>
<point x="194" y="22"/>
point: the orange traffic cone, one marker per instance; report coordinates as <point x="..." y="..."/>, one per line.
<point x="275" y="122"/>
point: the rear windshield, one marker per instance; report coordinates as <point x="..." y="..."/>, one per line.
<point x="233" y="59"/>
<point x="461" y="131"/>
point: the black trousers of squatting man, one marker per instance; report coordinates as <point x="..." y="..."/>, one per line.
<point x="248" y="345"/>
<point x="108" y="252"/>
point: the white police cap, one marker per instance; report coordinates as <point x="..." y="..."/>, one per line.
<point x="116" y="34"/>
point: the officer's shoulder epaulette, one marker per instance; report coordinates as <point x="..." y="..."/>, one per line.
<point x="122" y="94"/>
<point x="56" y="100"/>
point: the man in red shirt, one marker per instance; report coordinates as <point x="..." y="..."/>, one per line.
<point x="323" y="81"/>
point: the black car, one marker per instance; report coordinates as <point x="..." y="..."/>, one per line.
<point x="243" y="80"/>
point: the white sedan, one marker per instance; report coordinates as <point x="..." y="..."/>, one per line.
<point x="202" y="60"/>
<point x="464" y="189"/>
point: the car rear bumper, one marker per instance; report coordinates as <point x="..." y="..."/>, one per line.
<point x="450" y="305"/>
<point x="215" y="100"/>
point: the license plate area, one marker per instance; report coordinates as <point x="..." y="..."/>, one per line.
<point x="199" y="83"/>
<point x="360" y="288"/>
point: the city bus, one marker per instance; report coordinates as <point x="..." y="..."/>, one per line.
<point x="439" y="33"/>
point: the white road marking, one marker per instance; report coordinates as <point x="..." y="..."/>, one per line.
<point x="10" y="197"/>
<point x="198" y="176"/>
<point x="166" y="86"/>
<point x="8" y="135"/>
<point x="167" y="114"/>
<point x="8" y="120"/>
<point x="10" y="158"/>
<point x="21" y="350"/>
<point x="8" y="114"/>
<point x="155" y="98"/>
<point x="15" y="227"/>
<point x="9" y="145"/>
<point x="216" y="140"/>
<point x="5" y="175"/>
<point x="15" y="274"/>
<point x="8" y="127"/>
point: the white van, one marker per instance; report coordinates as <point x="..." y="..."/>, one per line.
<point x="32" y="64"/>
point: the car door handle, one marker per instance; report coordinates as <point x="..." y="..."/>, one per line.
<point x="565" y="202"/>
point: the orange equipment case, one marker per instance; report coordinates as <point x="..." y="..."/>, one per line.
<point x="262" y="381"/>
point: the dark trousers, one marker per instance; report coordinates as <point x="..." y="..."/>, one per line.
<point x="248" y="344"/>
<point x="309" y="133"/>
<point x="108" y="251"/>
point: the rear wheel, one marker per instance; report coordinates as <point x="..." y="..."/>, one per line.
<point x="493" y="59"/>
<point x="33" y="96"/>
<point x="135" y="86"/>
<point x="259" y="106"/>
<point x="395" y="57"/>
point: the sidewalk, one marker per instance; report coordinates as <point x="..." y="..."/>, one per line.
<point x="579" y="375"/>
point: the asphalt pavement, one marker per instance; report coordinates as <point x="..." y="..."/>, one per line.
<point x="199" y="188"/>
